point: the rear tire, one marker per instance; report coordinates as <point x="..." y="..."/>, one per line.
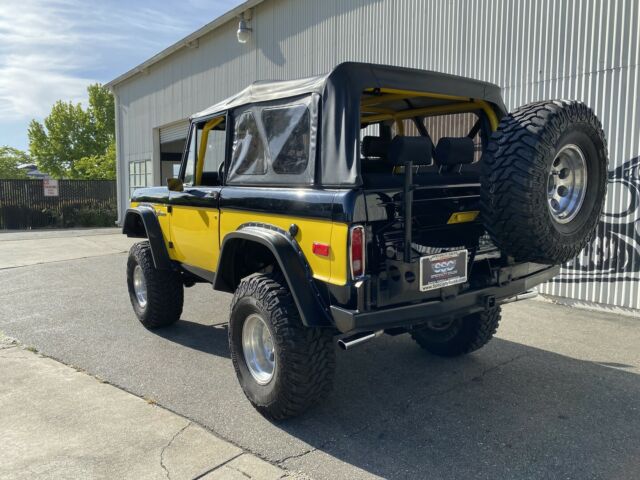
<point x="157" y="296"/>
<point x="297" y="369"/>
<point x="461" y="336"/>
<point x="544" y="179"/>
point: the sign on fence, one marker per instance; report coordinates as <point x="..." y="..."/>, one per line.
<point x="50" y="187"/>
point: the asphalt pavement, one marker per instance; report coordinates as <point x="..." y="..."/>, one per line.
<point x="556" y="395"/>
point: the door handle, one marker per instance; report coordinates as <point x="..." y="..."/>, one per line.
<point x="212" y="194"/>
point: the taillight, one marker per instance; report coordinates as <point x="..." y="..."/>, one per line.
<point x="357" y="251"/>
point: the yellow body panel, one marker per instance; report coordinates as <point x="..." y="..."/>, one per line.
<point x="162" y="214"/>
<point x="331" y="269"/>
<point x="194" y="234"/>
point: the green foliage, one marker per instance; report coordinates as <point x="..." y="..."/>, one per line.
<point x="98" y="167"/>
<point x="10" y="158"/>
<point x="91" y="214"/>
<point x="71" y="137"/>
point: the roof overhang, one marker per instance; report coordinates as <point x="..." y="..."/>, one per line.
<point x="186" y="42"/>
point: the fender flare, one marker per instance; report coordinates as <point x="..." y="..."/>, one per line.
<point x="312" y="308"/>
<point x="141" y="222"/>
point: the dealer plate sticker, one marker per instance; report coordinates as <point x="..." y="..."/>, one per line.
<point x="443" y="269"/>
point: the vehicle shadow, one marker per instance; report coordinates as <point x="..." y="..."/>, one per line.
<point x="506" y="411"/>
<point x="509" y="411"/>
<point x="198" y="336"/>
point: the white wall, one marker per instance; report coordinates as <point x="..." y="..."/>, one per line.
<point x="587" y="50"/>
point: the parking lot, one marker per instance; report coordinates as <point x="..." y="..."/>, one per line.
<point x="556" y="395"/>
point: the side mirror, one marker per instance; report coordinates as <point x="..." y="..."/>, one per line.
<point x="175" y="184"/>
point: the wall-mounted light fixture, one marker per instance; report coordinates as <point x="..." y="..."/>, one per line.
<point x="244" y="29"/>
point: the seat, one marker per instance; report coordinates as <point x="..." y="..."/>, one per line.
<point x="410" y="149"/>
<point x="210" y="179"/>
<point x="376" y="147"/>
<point x="374" y="155"/>
<point x="452" y="152"/>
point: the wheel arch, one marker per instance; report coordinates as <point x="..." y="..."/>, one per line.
<point x="141" y="222"/>
<point x="254" y="243"/>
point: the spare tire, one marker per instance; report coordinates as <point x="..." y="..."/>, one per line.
<point x="544" y="179"/>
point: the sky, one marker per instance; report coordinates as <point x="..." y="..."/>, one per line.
<point x="52" y="49"/>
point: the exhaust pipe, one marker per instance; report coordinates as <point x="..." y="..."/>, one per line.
<point x="359" y="338"/>
<point x="522" y="296"/>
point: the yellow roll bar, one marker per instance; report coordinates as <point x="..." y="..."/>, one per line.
<point x="203" y="146"/>
<point x="461" y="105"/>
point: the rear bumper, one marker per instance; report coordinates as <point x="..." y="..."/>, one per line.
<point x="472" y="301"/>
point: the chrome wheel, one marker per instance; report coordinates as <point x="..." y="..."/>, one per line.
<point x="567" y="183"/>
<point x="140" y="286"/>
<point x="258" y="349"/>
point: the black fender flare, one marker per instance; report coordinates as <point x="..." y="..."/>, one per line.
<point x="296" y="271"/>
<point x="141" y="222"/>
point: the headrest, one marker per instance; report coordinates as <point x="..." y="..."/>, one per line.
<point x="454" y="151"/>
<point x="415" y="149"/>
<point x="375" y="147"/>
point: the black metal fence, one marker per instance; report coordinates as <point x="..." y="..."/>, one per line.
<point x="80" y="203"/>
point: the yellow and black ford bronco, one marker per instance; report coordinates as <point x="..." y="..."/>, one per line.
<point x="371" y="200"/>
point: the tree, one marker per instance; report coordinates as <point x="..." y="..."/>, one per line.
<point x="98" y="167"/>
<point x="70" y="136"/>
<point x="10" y="158"/>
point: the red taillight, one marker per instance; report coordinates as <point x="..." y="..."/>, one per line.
<point x="321" y="249"/>
<point x="356" y="254"/>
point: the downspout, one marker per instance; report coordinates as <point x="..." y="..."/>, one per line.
<point x="119" y="157"/>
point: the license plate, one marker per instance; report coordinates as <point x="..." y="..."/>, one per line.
<point x="443" y="270"/>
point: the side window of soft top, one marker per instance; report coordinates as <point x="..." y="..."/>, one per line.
<point x="274" y="143"/>
<point x="249" y="156"/>
<point x="288" y="133"/>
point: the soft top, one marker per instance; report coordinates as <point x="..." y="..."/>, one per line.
<point x="338" y="100"/>
<point x="357" y="76"/>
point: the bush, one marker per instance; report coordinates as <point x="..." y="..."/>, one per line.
<point x="88" y="216"/>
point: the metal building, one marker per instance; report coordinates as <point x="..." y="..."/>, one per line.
<point x="535" y="49"/>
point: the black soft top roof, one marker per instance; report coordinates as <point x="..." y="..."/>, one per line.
<point x="340" y="90"/>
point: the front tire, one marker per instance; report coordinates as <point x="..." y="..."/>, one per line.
<point x="459" y="336"/>
<point x="283" y="367"/>
<point x="156" y="295"/>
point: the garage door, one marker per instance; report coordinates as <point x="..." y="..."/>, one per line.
<point x="173" y="132"/>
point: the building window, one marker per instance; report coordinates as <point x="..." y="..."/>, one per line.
<point x="140" y="175"/>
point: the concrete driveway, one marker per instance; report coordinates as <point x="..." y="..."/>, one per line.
<point x="556" y="395"/>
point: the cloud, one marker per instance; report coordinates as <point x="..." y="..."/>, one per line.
<point x="52" y="49"/>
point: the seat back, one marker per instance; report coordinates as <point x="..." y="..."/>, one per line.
<point x="410" y="149"/>
<point x="376" y="147"/>
<point x="453" y="151"/>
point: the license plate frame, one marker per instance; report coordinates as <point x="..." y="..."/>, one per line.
<point x="444" y="269"/>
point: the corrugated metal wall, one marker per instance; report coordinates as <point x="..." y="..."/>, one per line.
<point x="583" y="49"/>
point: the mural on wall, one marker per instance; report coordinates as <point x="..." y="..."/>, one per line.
<point x="614" y="253"/>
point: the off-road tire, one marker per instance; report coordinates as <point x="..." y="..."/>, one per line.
<point x="165" y="292"/>
<point x="464" y="335"/>
<point x="305" y="357"/>
<point x="514" y="176"/>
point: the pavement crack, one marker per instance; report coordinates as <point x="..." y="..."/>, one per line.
<point x="239" y="471"/>
<point x="220" y="465"/>
<point x="475" y="378"/>
<point x="499" y="365"/>
<point x="282" y="461"/>
<point x="164" y="467"/>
